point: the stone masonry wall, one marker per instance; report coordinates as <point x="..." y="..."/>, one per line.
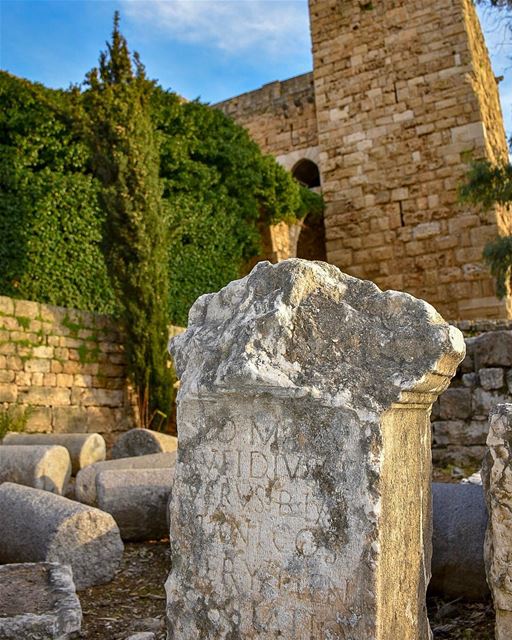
<point x="280" y="116"/>
<point x="483" y="380"/>
<point x="68" y="365"/>
<point x="405" y="96"/>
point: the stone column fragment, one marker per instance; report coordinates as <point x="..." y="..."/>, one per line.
<point x="140" y="442"/>
<point x="37" y="526"/>
<point x="301" y="506"/>
<point x="83" y="448"/>
<point x="137" y="500"/>
<point x="46" y="467"/>
<point x="38" y="601"/>
<point x="85" y="486"/>
<point x="497" y="482"/>
<point x="460" y="521"/>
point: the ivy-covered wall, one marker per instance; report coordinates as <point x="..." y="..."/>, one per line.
<point x="67" y="365"/>
<point x="217" y="190"/>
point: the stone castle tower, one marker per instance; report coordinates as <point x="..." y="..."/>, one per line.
<point x="401" y="98"/>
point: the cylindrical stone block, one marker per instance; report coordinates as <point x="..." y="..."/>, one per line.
<point x="37" y="526"/>
<point x="137" y="500"/>
<point x="83" y="448"/>
<point x="460" y="520"/>
<point x="45" y="467"/>
<point x="140" y="442"/>
<point x="85" y="487"/>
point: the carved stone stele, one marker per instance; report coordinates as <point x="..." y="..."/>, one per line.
<point x="497" y="481"/>
<point x="301" y="503"/>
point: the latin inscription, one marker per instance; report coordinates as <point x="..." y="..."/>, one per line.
<point x="261" y="506"/>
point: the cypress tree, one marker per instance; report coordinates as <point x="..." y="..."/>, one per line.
<point x="125" y="158"/>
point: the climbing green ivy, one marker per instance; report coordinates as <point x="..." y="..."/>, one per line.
<point x="50" y="219"/>
<point x="217" y="189"/>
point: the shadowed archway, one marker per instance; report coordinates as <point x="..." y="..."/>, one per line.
<point x="311" y="243"/>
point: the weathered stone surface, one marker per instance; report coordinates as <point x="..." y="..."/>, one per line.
<point x="45" y="467"/>
<point x="137" y="500"/>
<point x="85" y="487"/>
<point x="459" y="455"/>
<point x="469" y="379"/>
<point x="493" y="349"/>
<point x="497" y="482"/>
<point x="37" y="526"/>
<point x="301" y="502"/>
<point x="460" y="520"/>
<point x="509" y="380"/>
<point x="38" y="601"/>
<point x="140" y="442"/>
<point x="83" y="448"/>
<point x="455" y="404"/>
<point x="485" y="401"/>
<point x="458" y="432"/>
<point x="491" y="378"/>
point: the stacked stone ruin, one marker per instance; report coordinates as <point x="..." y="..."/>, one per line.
<point x="302" y="502"/>
<point x="51" y="545"/>
<point x="484" y="380"/>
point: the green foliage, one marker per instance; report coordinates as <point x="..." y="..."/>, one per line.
<point x="57" y="182"/>
<point x="217" y="188"/>
<point x="50" y="219"/>
<point x="14" y="418"/>
<point x="498" y="255"/>
<point x="311" y="203"/>
<point x="487" y="185"/>
<point x="126" y="161"/>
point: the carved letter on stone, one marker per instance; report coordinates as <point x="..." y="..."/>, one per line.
<point x="301" y="503"/>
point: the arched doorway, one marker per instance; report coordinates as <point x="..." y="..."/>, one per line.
<point x="311" y="242"/>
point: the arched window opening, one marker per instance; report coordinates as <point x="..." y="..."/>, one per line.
<point x="306" y="172"/>
<point x="311" y="243"/>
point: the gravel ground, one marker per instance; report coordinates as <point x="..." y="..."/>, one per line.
<point x="134" y="601"/>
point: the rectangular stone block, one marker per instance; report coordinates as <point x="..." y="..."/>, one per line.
<point x="37" y="366"/>
<point x="455" y="404"/>
<point x="6" y="306"/>
<point x="38" y="601"/>
<point x="39" y="419"/>
<point x="69" y="420"/>
<point x="8" y="392"/>
<point x="301" y="502"/>
<point x="47" y="396"/>
<point x="26" y="309"/>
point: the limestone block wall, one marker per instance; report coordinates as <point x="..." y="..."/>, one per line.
<point x="67" y="365"/>
<point x="405" y="97"/>
<point x="280" y="116"/>
<point x="483" y="380"/>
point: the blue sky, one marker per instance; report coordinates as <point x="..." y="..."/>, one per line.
<point x="212" y="49"/>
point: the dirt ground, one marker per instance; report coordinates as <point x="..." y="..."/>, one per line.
<point x="135" y="601"/>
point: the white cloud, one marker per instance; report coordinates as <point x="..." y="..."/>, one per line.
<point x="233" y="26"/>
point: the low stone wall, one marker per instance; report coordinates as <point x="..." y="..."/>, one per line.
<point x="483" y="380"/>
<point x="66" y="364"/>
